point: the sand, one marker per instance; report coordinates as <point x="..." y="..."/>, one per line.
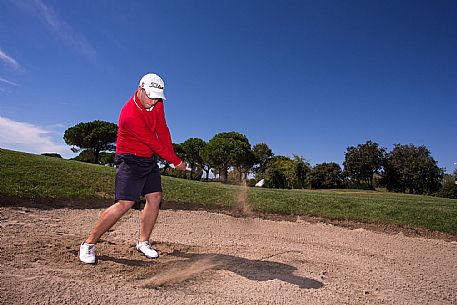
<point x="214" y="258"/>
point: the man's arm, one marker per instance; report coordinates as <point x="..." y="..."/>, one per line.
<point x="163" y="133"/>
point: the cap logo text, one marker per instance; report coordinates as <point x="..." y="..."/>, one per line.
<point x="156" y="85"/>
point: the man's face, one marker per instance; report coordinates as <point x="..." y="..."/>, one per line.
<point x="145" y="100"/>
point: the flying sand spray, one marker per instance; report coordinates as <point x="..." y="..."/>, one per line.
<point x="241" y="204"/>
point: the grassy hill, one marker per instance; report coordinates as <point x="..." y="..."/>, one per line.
<point x="33" y="176"/>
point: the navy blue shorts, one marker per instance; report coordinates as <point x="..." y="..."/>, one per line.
<point x="136" y="176"/>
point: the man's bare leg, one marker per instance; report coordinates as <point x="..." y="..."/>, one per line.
<point x="148" y="216"/>
<point x="108" y="218"/>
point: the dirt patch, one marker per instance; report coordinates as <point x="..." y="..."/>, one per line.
<point x="215" y="258"/>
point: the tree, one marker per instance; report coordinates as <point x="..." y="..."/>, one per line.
<point x="411" y="169"/>
<point x="179" y="151"/>
<point x="283" y="172"/>
<point x="363" y="161"/>
<point x="275" y="177"/>
<point x="448" y="187"/>
<point x="206" y="165"/>
<point x="106" y="158"/>
<point x="192" y="148"/>
<point x="301" y="171"/>
<point x="96" y="136"/>
<point x="226" y="149"/>
<point x="262" y="153"/>
<point x="86" y="155"/>
<point x="244" y="163"/>
<point x="326" y="176"/>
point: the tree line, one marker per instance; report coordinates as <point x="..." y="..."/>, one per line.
<point x="231" y="158"/>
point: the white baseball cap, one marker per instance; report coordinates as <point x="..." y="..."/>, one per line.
<point x="153" y="85"/>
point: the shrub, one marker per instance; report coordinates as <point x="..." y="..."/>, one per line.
<point x="54" y="155"/>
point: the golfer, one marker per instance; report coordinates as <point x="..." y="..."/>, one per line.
<point x="143" y="132"/>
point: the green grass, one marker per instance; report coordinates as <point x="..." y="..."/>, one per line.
<point x="364" y="206"/>
<point x="33" y="176"/>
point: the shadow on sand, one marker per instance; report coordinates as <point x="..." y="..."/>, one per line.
<point x="191" y="265"/>
<point x="252" y="269"/>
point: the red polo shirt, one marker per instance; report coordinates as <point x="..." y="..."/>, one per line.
<point x="142" y="132"/>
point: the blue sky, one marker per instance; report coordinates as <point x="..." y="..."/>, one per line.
<point x="306" y="77"/>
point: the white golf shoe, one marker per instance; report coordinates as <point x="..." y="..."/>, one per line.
<point x="146" y="248"/>
<point x="87" y="253"/>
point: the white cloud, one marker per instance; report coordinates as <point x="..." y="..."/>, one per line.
<point x="27" y="137"/>
<point x="47" y="15"/>
<point x="8" y="82"/>
<point x="9" y="60"/>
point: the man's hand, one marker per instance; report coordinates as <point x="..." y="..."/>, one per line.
<point x="181" y="166"/>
